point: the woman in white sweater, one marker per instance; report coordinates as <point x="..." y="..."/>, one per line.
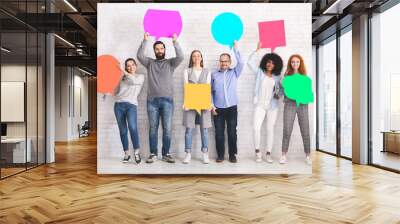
<point x="267" y="92"/>
<point x="125" y="108"/>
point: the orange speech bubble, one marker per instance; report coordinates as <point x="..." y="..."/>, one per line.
<point x="108" y="73"/>
<point x="197" y="97"/>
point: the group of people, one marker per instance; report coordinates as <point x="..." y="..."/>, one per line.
<point x="160" y="103"/>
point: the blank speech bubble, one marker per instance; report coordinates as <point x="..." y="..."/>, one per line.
<point x="162" y="23"/>
<point x="272" y="34"/>
<point x="197" y="97"/>
<point x="226" y="28"/>
<point x="108" y="73"/>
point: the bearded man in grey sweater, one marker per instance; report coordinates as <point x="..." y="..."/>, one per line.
<point x="160" y="103"/>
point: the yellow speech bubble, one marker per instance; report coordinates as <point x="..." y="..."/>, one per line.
<point x="197" y="97"/>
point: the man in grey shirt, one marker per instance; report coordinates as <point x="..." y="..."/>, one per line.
<point x="160" y="94"/>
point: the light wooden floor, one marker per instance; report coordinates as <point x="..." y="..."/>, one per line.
<point x="70" y="191"/>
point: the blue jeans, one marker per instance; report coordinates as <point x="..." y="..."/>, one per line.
<point x="160" y="107"/>
<point x="204" y="139"/>
<point x="127" y="113"/>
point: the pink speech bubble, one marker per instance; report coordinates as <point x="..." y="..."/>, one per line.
<point x="162" y="23"/>
<point x="272" y="34"/>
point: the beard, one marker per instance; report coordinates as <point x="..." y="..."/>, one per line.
<point x="160" y="56"/>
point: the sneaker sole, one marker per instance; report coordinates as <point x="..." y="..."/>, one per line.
<point x="168" y="161"/>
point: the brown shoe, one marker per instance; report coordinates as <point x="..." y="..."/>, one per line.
<point x="219" y="160"/>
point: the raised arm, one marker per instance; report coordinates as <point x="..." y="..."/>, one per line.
<point x="145" y="61"/>
<point x="251" y="62"/>
<point x="240" y="63"/>
<point x="178" y="51"/>
<point x="118" y="87"/>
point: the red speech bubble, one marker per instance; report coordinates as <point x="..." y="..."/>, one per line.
<point x="272" y="34"/>
<point x="108" y="73"/>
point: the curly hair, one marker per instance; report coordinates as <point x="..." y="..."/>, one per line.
<point x="276" y="60"/>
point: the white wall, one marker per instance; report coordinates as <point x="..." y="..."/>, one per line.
<point x="121" y="33"/>
<point x="67" y="80"/>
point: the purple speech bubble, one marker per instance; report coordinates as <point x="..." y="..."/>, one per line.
<point x="162" y="23"/>
<point x="272" y="34"/>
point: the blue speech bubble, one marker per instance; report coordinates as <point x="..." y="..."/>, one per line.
<point x="226" y="28"/>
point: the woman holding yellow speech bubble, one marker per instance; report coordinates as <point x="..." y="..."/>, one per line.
<point x="298" y="93"/>
<point x="196" y="74"/>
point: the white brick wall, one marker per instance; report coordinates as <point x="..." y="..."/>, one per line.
<point x="120" y="32"/>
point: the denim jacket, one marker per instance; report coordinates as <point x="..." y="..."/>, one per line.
<point x="278" y="90"/>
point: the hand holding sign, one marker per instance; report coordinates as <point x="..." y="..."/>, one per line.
<point x="272" y="34"/>
<point x="162" y="23"/>
<point x="197" y="97"/>
<point x="108" y="73"/>
<point x="298" y="87"/>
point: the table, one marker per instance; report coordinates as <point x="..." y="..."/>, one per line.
<point x="18" y="149"/>
<point x="391" y="141"/>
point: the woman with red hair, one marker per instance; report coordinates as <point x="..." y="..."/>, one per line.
<point x="296" y="67"/>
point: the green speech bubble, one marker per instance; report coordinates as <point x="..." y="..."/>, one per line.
<point x="298" y="87"/>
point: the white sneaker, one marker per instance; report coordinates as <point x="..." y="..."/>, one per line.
<point x="308" y="160"/>
<point x="282" y="160"/>
<point x="206" y="160"/>
<point x="258" y="157"/>
<point x="269" y="158"/>
<point x="188" y="157"/>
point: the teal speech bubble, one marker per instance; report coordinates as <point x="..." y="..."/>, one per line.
<point x="298" y="87"/>
<point x="226" y="28"/>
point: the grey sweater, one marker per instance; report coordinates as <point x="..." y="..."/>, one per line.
<point x="160" y="72"/>
<point x="128" y="88"/>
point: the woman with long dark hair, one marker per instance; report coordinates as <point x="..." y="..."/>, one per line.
<point x="125" y="108"/>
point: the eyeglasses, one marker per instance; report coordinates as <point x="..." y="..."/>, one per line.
<point x="224" y="61"/>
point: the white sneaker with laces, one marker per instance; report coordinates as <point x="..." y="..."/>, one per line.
<point x="258" y="157"/>
<point x="283" y="159"/>
<point x="188" y="157"/>
<point x="308" y="160"/>
<point x="206" y="160"/>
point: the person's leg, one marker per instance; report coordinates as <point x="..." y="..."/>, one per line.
<point x="132" y="124"/>
<point x="120" y="115"/>
<point x="204" y="139"/>
<point x="302" y="116"/>
<point x="188" y="139"/>
<point x="204" y="143"/>
<point x="154" y="120"/>
<point x="289" y="113"/>
<point x="271" y="120"/>
<point x="272" y="115"/>
<point x="219" y="124"/>
<point x="259" y="114"/>
<point x="188" y="145"/>
<point x="232" y="133"/>
<point x="167" y="109"/>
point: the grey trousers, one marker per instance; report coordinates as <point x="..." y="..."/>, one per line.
<point x="289" y="113"/>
